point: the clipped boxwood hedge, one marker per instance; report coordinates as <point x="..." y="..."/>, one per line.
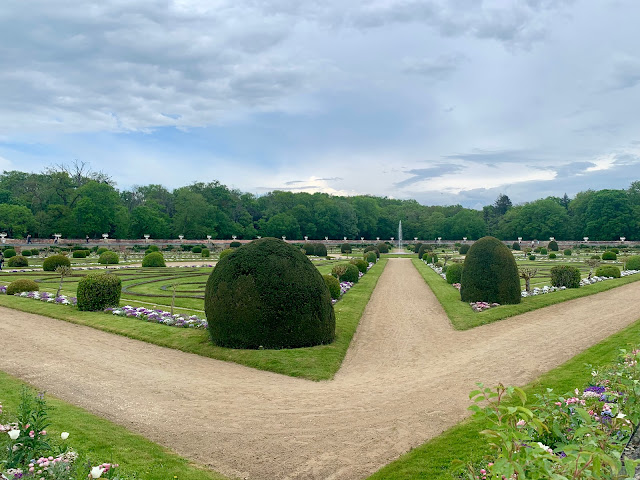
<point x="54" y="261"/>
<point x="515" y="246"/>
<point x="609" y="255"/>
<point x="18" y="261"/>
<point x="351" y="274"/>
<point x="454" y="273"/>
<point x="464" y="249"/>
<point x="361" y="264"/>
<point x="565" y="276"/>
<point x="268" y="294"/>
<point x="109" y="258"/>
<point x="370" y="257"/>
<point x="9" y="252"/>
<point x="633" y="262"/>
<point x="553" y="246"/>
<point x="382" y="247"/>
<point x="333" y="284"/>
<point x="345" y="248"/>
<point x="225" y="252"/>
<point x="101" y="250"/>
<point x="608" y="271"/>
<point x="205" y="253"/>
<point x="320" y="250"/>
<point x="196" y="249"/>
<point x="153" y="259"/>
<point x="490" y="273"/>
<point x="79" y="254"/>
<point x="22" y="285"/>
<point x="234" y="244"/>
<point x="371" y="248"/>
<point x="99" y="291"/>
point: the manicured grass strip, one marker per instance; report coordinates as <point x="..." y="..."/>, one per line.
<point x="463" y="318"/>
<point x="102" y="441"/>
<point x="315" y="363"/>
<point x="432" y="460"/>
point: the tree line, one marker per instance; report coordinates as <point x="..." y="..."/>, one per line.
<point x="75" y="202"/>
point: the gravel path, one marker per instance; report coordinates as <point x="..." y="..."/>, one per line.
<point x="405" y="379"/>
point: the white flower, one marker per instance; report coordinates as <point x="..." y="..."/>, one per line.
<point x="620" y="415"/>
<point x="14" y="434"/>
<point x="64" y="435"/>
<point x="96" y="472"/>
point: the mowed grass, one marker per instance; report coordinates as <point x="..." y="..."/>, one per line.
<point x="97" y="440"/>
<point x="314" y="363"/>
<point x="432" y="460"/>
<point x="462" y="317"/>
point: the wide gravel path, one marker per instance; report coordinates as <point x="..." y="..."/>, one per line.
<point x="405" y="379"/>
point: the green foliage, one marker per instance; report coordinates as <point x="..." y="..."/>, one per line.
<point x="515" y="246"/>
<point x="153" y="259"/>
<point x="234" y="244"/>
<point x="309" y="248"/>
<point x="101" y="250"/>
<point x="595" y="257"/>
<point x="565" y="276"/>
<point x="22" y="285"/>
<point x="54" y="261"/>
<point x="609" y="255"/>
<point x="608" y="271"/>
<point x="205" y="253"/>
<point x="320" y="250"/>
<point x="79" y="254"/>
<point x="423" y="249"/>
<point x="345" y="248"/>
<point x="454" y="273"/>
<point x="543" y="251"/>
<point x="196" y="249"/>
<point x="225" y="252"/>
<point x="382" y="247"/>
<point x="430" y="257"/>
<point x="27" y="253"/>
<point x="150" y="248"/>
<point x="370" y="257"/>
<point x="416" y="247"/>
<point x="614" y="250"/>
<point x="371" y="248"/>
<point x="108" y="258"/>
<point x="532" y="257"/>
<point x="362" y="265"/>
<point x="490" y="273"/>
<point x="338" y="270"/>
<point x="552" y="256"/>
<point x="567" y="252"/>
<point x="268" y="294"/>
<point x="553" y="246"/>
<point x="99" y="291"/>
<point x="333" y="284"/>
<point x="464" y="249"/>
<point x="351" y="274"/>
<point x="18" y="261"/>
<point x="633" y="262"/>
<point x="9" y="252"/>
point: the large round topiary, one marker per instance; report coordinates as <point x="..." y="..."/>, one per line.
<point x="17" y="262"/>
<point x="54" y="261"/>
<point x="423" y="249"/>
<point x="370" y="257"/>
<point x="9" y="252"/>
<point x="609" y="255"/>
<point x="371" y="248"/>
<point x="565" y="276"/>
<point x="101" y="250"/>
<point x="268" y="294"/>
<point x="205" y="253"/>
<point x="553" y="246"/>
<point x="22" y="285"/>
<point x="383" y="247"/>
<point x="515" y="246"/>
<point x="309" y="248"/>
<point x="490" y="273"/>
<point x="109" y="258"/>
<point x="99" y="291"/>
<point x="196" y="249"/>
<point x="361" y="264"/>
<point x="633" y="263"/>
<point x="320" y="250"/>
<point x="333" y="285"/>
<point x="351" y="274"/>
<point x="153" y="259"/>
<point x="345" y="248"/>
<point x="154" y="248"/>
<point x="464" y="249"/>
<point x="454" y="273"/>
<point x="79" y="254"/>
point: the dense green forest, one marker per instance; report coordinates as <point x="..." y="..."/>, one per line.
<point x="76" y="202"/>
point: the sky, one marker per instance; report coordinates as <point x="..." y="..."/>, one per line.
<point x="447" y="102"/>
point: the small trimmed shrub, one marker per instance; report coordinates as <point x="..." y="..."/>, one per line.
<point x="614" y="250"/>
<point x="17" y="262"/>
<point x="79" y="254"/>
<point x="416" y="247"/>
<point x="490" y="274"/>
<point x="333" y="284"/>
<point x="567" y="252"/>
<point x="225" y="252"/>
<point x="370" y="257"/>
<point x="608" y="271"/>
<point x="234" y="244"/>
<point x="54" y="261"/>
<point x="101" y="250"/>
<point x="595" y="257"/>
<point x="186" y="247"/>
<point x="22" y="285"/>
<point x="309" y="248"/>
<point x="205" y="253"/>
<point x="351" y="274"/>
<point x="345" y="248"/>
<point x="362" y="265"/>
<point x="320" y="250"/>
<point x="371" y="248"/>
<point x="99" y="291"/>
<point x="633" y="263"/>
<point x="553" y="246"/>
<point x="532" y="257"/>
<point x="515" y="246"/>
<point x="9" y="252"/>
<point x="565" y="276"/>
<point x="552" y="256"/>
<point x="196" y="249"/>
<point x="543" y="251"/>
<point x="109" y="258"/>
<point x="423" y="248"/>
<point x="268" y="294"/>
<point x="430" y="257"/>
<point x="153" y="259"/>
<point x="27" y="253"/>
<point x="383" y="247"/>
<point x="150" y="248"/>
<point x="609" y="255"/>
<point x="463" y="250"/>
<point x="454" y="273"/>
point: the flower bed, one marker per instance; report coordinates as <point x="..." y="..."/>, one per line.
<point x="158" y="316"/>
<point x="48" y="297"/>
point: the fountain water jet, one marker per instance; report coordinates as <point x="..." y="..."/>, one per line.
<point x="400" y="235"/>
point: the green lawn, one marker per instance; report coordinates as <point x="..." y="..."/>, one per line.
<point x="432" y="460"/>
<point x="315" y="363"/>
<point x="98" y="440"/>
<point x="463" y="318"/>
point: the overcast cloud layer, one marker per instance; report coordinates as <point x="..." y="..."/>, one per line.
<point x="444" y="101"/>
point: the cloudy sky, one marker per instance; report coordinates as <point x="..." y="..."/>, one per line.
<point x="443" y="101"/>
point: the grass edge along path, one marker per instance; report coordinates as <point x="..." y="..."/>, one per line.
<point x="102" y="441"/>
<point x="314" y="363"/>
<point x="432" y="460"/>
<point x="463" y="318"/>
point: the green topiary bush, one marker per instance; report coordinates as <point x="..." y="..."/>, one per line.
<point x="333" y="284"/>
<point x="361" y="265"/>
<point x="430" y="257"/>
<point x="150" y="248"/>
<point x="101" y="250"/>
<point x="351" y="274"/>
<point x="633" y="263"/>
<point x="17" y="262"/>
<point x="268" y="294"/>
<point x="490" y="273"/>
<point x="54" y="261"/>
<point x="320" y="250"/>
<point x="532" y="257"/>
<point x="608" y="271"/>
<point x="416" y="247"/>
<point x="235" y="244"/>
<point x="515" y="246"/>
<point x="27" y="253"/>
<point x="567" y="252"/>
<point x="552" y="256"/>
<point x="553" y="246"/>
<point x="614" y="250"/>
<point x="309" y="248"/>
<point x="383" y="247"/>
<point x="205" y="253"/>
<point x="454" y="273"/>
<point x="565" y="276"/>
<point x="345" y="248"/>
<point x="196" y="249"/>
<point x="22" y="285"/>
<point x="99" y="291"/>
<point x="463" y="250"/>
<point x="423" y="249"/>
<point x="370" y="257"/>
<point x="609" y="255"/>
<point x="109" y="258"/>
<point x="9" y="252"/>
<point x="371" y="248"/>
<point x="543" y="251"/>
<point x="79" y="254"/>
<point x="153" y="259"/>
<point x="595" y="257"/>
<point x="225" y="252"/>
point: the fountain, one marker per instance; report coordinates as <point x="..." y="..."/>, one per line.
<point x="400" y="235"/>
